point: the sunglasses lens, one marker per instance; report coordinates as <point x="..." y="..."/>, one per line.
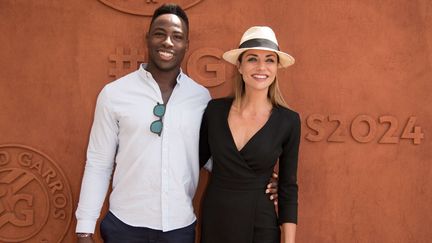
<point x="156" y="127"/>
<point x="159" y="110"/>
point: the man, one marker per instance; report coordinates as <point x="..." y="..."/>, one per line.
<point x="146" y="126"/>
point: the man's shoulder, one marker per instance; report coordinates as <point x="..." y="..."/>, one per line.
<point x="121" y="84"/>
<point x="124" y="80"/>
<point x="195" y="87"/>
<point x="190" y="81"/>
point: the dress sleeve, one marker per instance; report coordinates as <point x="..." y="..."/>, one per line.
<point x="204" y="148"/>
<point x="288" y="188"/>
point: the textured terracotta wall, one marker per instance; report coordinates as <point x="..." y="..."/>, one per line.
<point x="362" y="83"/>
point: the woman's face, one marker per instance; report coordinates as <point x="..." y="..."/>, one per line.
<point x="258" y="68"/>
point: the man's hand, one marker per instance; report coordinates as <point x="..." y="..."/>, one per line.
<point x="88" y="239"/>
<point x="272" y="188"/>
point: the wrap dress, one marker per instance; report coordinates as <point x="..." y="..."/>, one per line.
<point x="235" y="207"/>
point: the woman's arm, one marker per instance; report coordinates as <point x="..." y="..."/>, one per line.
<point x="204" y="148"/>
<point x="288" y="232"/>
<point x="288" y="188"/>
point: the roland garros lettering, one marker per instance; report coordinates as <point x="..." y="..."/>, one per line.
<point x="4" y="158"/>
<point x="35" y="196"/>
<point x="55" y="186"/>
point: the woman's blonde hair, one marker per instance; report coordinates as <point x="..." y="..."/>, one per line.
<point x="274" y="93"/>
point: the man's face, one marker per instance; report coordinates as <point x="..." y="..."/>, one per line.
<point x="167" y="42"/>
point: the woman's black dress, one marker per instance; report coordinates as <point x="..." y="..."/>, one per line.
<point x="235" y="207"/>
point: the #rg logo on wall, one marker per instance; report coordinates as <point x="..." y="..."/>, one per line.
<point x="144" y="7"/>
<point x="35" y="197"/>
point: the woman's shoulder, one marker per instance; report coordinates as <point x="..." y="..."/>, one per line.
<point x="220" y="102"/>
<point x="288" y="113"/>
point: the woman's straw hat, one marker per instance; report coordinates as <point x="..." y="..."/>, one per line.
<point x="259" y="38"/>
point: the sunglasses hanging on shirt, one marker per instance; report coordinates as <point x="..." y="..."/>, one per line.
<point x="156" y="126"/>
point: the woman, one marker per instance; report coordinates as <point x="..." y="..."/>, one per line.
<point x="245" y="136"/>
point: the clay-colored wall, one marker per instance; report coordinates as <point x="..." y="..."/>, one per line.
<point x="363" y="76"/>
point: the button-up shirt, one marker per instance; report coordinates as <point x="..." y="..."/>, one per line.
<point x="155" y="177"/>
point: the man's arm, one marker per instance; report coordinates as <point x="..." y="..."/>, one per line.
<point x="98" y="169"/>
<point x="85" y="238"/>
<point x="272" y="188"/>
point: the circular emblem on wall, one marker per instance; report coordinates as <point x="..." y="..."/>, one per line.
<point x="145" y="7"/>
<point x="35" y="197"/>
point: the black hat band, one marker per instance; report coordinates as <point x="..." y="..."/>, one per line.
<point x="258" y="42"/>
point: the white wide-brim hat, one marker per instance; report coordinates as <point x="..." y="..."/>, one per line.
<point x="259" y="38"/>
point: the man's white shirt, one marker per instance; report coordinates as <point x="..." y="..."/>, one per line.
<point x="155" y="176"/>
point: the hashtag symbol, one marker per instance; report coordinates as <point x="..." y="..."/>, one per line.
<point x="125" y="61"/>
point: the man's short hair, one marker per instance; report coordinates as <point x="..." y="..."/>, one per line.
<point x="171" y="8"/>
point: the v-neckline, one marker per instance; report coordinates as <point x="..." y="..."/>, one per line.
<point x="253" y="136"/>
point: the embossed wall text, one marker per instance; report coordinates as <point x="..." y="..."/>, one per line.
<point x="145" y="7"/>
<point x="204" y="65"/>
<point x="125" y="60"/>
<point x="363" y="129"/>
<point x="205" y="61"/>
<point x="35" y="197"/>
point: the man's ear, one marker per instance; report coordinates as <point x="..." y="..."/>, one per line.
<point x="187" y="44"/>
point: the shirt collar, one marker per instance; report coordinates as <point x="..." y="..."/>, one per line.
<point x="147" y="75"/>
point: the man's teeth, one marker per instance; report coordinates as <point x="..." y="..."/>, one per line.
<point x="165" y="54"/>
